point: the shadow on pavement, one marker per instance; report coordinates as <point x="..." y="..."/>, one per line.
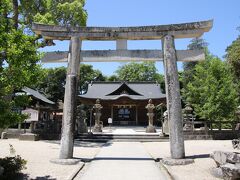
<point x="197" y="156"/>
<point x="90" y="144"/>
<point x="22" y="176"/>
<point x="122" y="159"/>
<point x="82" y="143"/>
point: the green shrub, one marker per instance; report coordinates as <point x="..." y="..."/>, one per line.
<point x="12" y="166"/>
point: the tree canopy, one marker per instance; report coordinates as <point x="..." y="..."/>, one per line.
<point x="18" y="44"/>
<point x="52" y="82"/>
<point x="212" y="91"/>
<point x="18" y="58"/>
<point x="144" y="71"/>
<point x="57" y="12"/>
<point x="233" y="56"/>
<point x="88" y="74"/>
<point x="189" y="67"/>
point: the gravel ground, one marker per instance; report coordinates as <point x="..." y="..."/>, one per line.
<point x="197" y="149"/>
<point x="38" y="154"/>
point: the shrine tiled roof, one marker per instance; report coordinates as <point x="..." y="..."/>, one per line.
<point x="37" y="95"/>
<point x="116" y="90"/>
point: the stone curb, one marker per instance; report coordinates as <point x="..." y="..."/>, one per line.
<point x="65" y="161"/>
<point x="76" y="171"/>
<point x="176" y="162"/>
<point x="165" y="170"/>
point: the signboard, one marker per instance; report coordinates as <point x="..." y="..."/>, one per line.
<point x="109" y="120"/>
<point x="32" y="114"/>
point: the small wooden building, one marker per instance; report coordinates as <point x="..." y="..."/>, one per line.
<point x="40" y="109"/>
<point x="124" y="102"/>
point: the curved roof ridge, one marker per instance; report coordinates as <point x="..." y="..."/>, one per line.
<point x="128" y="82"/>
<point x="122" y="89"/>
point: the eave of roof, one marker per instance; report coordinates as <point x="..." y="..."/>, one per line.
<point x="37" y="95"/>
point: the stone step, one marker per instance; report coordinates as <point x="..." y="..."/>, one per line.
<point x="198" y="137"/>
<point x="136" y="138"/>
<point x="195" y="133"/>
<point x="121" y="137"/>
<point x="122" y="140"/>
<point x="115" y="134"/>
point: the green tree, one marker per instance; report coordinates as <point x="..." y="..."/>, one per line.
<point x="197" y="43"/>
<point x="233" y="58"/>
<point x="18" y="44"/>
<point x="189" y="67"/>
<point x="212" y="91"/>
<point x="18" y="58"/>
<point x="56" y="12"/>
<point x="113" y="77"/>
<point x="88" y="74"/>
<point x="52" y="83"/>
<point x="144" y="71"/>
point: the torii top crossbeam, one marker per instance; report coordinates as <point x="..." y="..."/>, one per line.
<point x="184" y="30"/>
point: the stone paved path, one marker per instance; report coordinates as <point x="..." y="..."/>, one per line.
<point x="123" y="161"/>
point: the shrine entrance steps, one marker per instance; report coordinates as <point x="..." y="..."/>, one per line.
<point x="121" y="138"/>
<point x="123" y="134"/>
<point x="136" y="134"/>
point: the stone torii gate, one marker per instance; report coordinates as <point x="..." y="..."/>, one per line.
<point x="169" y="55"/>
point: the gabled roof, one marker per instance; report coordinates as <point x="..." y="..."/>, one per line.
<point x="37" y="95"/>
<point x="124" y="89"/>
<point x="116" y="90"/>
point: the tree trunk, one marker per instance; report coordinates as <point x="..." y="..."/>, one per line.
<point x="15" y="14"/>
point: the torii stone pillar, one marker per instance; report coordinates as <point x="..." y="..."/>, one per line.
<point x="173" y="98"/>
<point x="69" y="108"/>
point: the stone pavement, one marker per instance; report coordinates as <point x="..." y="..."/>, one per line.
<point x="123" y="161"/>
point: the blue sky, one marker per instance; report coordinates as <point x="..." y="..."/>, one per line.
<point x="226" y="16"/>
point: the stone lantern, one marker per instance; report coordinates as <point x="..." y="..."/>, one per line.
<point x="188" y="109"/>
<point x="81" y="125"/>
<point x="97" y="113"/>
<point x="188" y="117"/>
<point x="238" y="113"/>
<point x="165" y="125"/>
<point x="150" y="107"/>
<point x="238" y="118"/>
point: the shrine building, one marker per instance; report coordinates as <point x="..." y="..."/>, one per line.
<point x="124" y="102"/>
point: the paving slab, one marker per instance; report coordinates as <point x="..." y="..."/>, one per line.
<point x="123" y="161"/>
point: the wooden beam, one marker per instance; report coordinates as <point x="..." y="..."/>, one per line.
<point x="123" y="56"/>
<point x="184" y="30"/>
